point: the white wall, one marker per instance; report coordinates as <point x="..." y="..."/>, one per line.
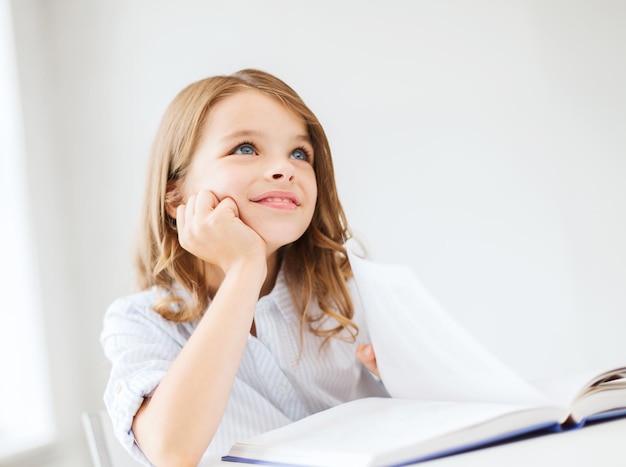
<point x="480" y="142"/>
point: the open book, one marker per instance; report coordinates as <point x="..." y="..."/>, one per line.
<point x="449" y="394"/>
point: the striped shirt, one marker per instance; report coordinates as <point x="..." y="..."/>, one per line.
<point x="280" y="378"/>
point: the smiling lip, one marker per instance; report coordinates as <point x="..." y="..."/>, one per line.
<point x="278" y="200"/>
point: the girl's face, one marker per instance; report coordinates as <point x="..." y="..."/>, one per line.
<point x="258" y="152"/>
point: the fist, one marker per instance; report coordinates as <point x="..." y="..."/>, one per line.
<point x="211" y="230"/>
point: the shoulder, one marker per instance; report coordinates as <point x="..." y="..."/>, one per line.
<point x="134" y="314"/>
<point x="138" y="306"/>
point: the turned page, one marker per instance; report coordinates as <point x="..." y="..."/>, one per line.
<point x="564" y="389"/>
<point x="421" y="351"/>
<point x="588" y="392"/>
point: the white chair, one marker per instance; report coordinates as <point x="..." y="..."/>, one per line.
<point x="105" y="449"/>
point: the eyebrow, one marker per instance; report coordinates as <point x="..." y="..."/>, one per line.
<point x="255" y="133"/>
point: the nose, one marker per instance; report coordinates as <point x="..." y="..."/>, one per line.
<point x="281" y="170"/>
<point x="280" y="175"/>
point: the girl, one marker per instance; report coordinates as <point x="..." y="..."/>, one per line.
<point x="248" y="317"/>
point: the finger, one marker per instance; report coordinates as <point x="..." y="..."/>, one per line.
<point x="180" y="217"/>
<point x="228" y="204"/>
<point x="205" y="202"/>
<point x="184" y="220"/>
<point x="365" y="353"/>
<point x="190" y="207"/>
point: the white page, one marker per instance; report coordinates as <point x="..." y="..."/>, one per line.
<point x="564" y="389"/>
<point x="357" y="432"/>
<point x="421" y="351"/>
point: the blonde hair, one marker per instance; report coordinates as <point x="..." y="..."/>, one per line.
<point x="315" y="266"/>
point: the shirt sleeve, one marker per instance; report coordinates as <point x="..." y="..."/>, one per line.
<point x="141" y="346"/>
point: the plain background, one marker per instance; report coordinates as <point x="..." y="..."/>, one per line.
<point x="482" y="143"/>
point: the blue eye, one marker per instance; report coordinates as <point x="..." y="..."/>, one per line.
<point x="300" y="154"/>
<point x="245" y="149"/>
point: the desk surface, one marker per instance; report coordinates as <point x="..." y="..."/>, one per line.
<point x="599" y="445"/>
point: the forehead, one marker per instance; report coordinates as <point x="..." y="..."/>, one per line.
<point x="255" y="110"/>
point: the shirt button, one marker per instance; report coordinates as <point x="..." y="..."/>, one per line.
<point x="282" y="390"/>
<point x="118" y="388"/>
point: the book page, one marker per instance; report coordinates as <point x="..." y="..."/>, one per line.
<point x="564" y="389"/>
<point x="587" y="392"/>
<point x="364" y="431"/>
<point x="421" y="351"/>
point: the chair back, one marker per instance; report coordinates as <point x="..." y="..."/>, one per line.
<point x="105" y="449"/>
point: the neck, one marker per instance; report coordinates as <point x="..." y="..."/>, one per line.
<point x="273" y="265"/>
<point x="215" y="276"/>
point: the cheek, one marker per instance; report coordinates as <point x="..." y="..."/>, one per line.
<point x="314" y="198"/>
<point x="227" y="184"/>
<point x="312" y="189"/>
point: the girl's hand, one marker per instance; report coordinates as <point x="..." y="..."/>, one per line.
<point x="365" y="353"/>
<point x="211" y="230"/>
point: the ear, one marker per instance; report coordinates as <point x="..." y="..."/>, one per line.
<point x="170" y="209"/>
<point x="173" y="198"/>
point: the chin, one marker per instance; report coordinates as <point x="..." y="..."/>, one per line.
<point x="273" y="245"/>
<point x="275" y="242"/>
<point x="278" y="234"/>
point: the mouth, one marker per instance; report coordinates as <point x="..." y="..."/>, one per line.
<point x="278" y="200"/>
